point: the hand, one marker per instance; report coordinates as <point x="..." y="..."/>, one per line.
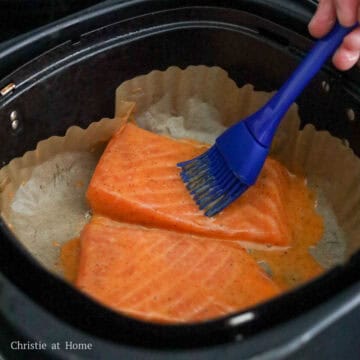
<point x="347" y="12"/>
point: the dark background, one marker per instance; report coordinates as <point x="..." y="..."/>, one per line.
<point x="20" y="16"/>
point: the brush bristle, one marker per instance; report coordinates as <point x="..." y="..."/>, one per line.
<point x="211" y="182"/>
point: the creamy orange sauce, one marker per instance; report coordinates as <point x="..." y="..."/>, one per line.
<point x="295" y="265"/>
<point x="69" y="258"/>
<point x="289" y="267"/>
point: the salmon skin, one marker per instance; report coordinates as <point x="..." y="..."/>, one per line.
<point x="137" y="181"/>
<point x="167" y="276"/>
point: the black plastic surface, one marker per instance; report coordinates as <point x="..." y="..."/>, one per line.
<point x="74" y="83"/>
<point x="35" y="13"/>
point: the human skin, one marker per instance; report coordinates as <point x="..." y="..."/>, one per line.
<point x="347" y="12"/>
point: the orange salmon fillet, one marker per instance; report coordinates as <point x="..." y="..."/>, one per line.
<point x="167" y="276"/>
<point x="137" y="181"/>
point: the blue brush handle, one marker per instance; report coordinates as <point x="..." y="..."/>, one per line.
<point x="265" y="122"/>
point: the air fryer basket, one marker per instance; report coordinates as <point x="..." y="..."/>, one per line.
<point x="66" y="74"/>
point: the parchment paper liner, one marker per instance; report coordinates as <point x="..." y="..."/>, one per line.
<point x="42" y="193"/>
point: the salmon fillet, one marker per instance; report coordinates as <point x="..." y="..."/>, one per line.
<point x="137" y="181"/>
<point x="167" y="276"/>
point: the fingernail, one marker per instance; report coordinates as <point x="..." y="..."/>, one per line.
<point x="352" y="55"/>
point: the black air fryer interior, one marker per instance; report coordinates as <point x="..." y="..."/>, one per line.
<point x="67" y="73"/>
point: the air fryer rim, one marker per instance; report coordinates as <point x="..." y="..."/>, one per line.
<point x="35" y="282"/>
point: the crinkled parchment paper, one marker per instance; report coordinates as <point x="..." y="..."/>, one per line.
<point x="42" y="193"/>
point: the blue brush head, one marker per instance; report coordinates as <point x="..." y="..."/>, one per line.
<point x="211" y="183"/>
<point x="223" y="173"/>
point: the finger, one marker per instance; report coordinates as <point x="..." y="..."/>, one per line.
<point x="346" y="11"/>
<point x="352" y="41"/>
<point x="324" y="19"/>
<point x="344" y="58"/>
<point x="348" y="54"/>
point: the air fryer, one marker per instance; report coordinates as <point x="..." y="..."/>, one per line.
<point x="114" y="41"/>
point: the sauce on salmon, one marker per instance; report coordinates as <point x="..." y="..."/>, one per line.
<point x="287" y="268"/>
<point x="295" y="265"/>
<point x="69" y="259"/>
<point x="136" y="180"/>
